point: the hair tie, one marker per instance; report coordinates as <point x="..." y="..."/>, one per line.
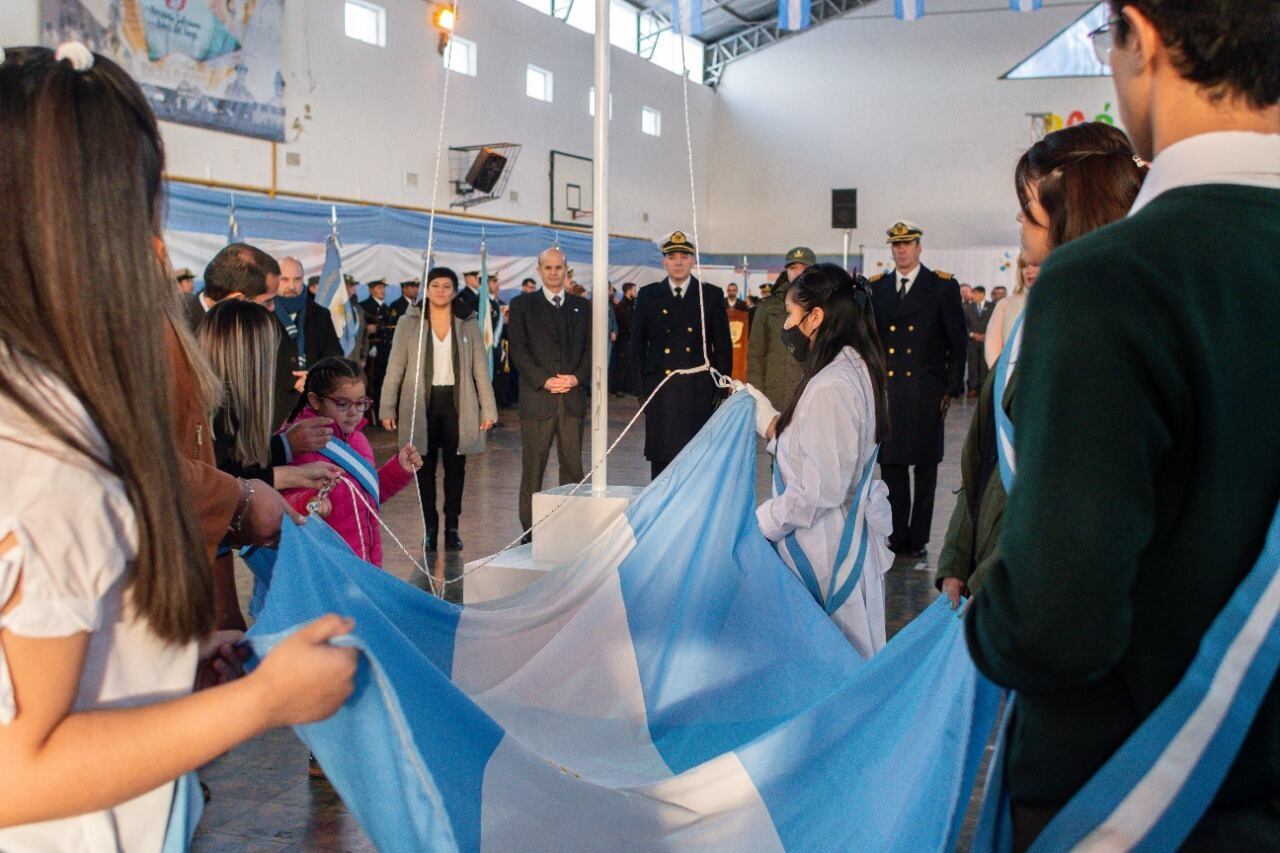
<point x="80" y="57"/>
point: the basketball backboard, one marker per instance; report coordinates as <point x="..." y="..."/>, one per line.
<point x="572" y="189"/>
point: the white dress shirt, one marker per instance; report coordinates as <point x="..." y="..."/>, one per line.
<point x="442" y="358"/>
<point x="903" y="281"/>
<point x="1224" y="157"/>
<point x="683" y="285"/>
<point x="552" y="297"/>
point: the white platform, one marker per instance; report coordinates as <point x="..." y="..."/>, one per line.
<point x="563" y="537"/>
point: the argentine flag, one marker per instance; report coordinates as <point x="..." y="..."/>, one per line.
<point x="331" y="294"/>
<point x="233" y="227"/>
<point x="686" y="17"/>
<point x="909" y="10"/>
<point x="488" y="331"/>
<point x="1025" y="5"/>
<point x="794" y="14"/>
<point x="675" y="687"/>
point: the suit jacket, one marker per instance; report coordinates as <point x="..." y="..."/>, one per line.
<point x="978" y="316"/>
<point x="666" y="335"/>
<point x="544" y="344"/>
<point x="739" y="304"/>
<point x="924" y="337"/>
<point x="321" y="341"/>
<point x="192" y="309"/>
<point x="467" y="303"/>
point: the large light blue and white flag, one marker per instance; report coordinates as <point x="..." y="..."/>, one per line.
<point x="686" y="17"/>
<point x="488" y="331"/>
<point x="908" y="10"/>
<point x="1025" y="5"/>
<point x="794" y="14"/>
<point x="673" y="688"/>
<point x="331" y="294"/>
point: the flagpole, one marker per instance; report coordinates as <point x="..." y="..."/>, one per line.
<point x="600" y="258"/>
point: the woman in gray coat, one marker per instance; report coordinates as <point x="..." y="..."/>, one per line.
<point x="455" y="398"/>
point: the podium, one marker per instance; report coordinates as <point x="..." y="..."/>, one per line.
<point x="562" y="538"/>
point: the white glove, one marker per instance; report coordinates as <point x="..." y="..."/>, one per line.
<point x="766" y="414"/>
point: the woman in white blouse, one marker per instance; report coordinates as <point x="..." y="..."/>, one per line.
<point x="828" y="517"/>
<point x="105" y="594"/>
<point x="454" y="395"/>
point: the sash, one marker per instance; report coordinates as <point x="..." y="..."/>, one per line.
<point x="1004" y="426"/>
<point x="184" y="814"/>
<point x="851" y="555"/>
<point x="345" y="457"/>
<point x="1153" y="791"/>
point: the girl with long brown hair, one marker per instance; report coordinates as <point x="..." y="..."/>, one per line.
<point x="104" y="578"/>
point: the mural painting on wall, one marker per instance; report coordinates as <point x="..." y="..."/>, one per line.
<point x="1043" y="124"/>
<point x="209" y="63"/>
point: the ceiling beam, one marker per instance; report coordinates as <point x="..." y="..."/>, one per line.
<point x="747" y="41"/>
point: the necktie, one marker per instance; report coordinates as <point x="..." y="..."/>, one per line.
<point x="902" y="288"/>
<point x="679" y="292"/>
<point x="555" y="300"/>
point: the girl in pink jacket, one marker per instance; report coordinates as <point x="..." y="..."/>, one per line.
<point x="335" y="389"/>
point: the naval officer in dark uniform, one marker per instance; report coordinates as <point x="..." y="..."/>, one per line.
<point x="922" y="328"/>
<point x="666" y="335"/>
<point x="380" y="319"/>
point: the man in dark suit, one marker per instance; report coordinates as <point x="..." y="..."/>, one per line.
<point x="922" y="329"/>
<point x="731" y="300"/>
<point x="409" y="291"/>
<point x="308" y="335"/>
<point x="381" y="323"/>
<point x="550" y="337"/>
<point x="620" y="379"/>
<point x="666" y="335"/>
<point x="977" y="314"/>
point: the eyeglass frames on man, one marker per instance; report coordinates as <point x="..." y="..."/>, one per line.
<point x="1103" y="39"/>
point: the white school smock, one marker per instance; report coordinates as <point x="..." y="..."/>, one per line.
<point x="821" y="456"/>
<point x="77" y="537"/>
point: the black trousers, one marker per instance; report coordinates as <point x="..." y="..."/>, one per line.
<point x="442" y="445"/>
<point x="977" y="365"/>
<point x="536" y="436"/>
<point x="912" y="514"/>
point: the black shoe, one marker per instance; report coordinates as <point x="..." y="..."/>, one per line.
<point x="526" y="539"/>
<point x="429" y="541"/>
<point x="452" y="541"/>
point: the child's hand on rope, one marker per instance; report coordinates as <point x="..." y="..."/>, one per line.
<point x="410" y="459"/>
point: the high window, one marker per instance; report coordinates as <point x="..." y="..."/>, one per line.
<point x="651" y="121"/>
<point x="460" y="56"/>
<point x="537" y="83"/>
<point x="366" y="22"/>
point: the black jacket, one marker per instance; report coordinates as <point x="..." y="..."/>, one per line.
<point x="544" y="344"/>
<point x="666" y="335"/>
<point x="924" y="338"/>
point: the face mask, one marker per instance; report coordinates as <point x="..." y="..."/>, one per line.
<point x="795" y="341"/>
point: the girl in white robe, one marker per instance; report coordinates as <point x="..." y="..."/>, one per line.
<point x="828" y="517"/>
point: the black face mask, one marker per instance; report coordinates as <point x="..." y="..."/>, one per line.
<point x="796" y="342"/>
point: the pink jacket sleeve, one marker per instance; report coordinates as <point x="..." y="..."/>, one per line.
<point x="392" y="478"/>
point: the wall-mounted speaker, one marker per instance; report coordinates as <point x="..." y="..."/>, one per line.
<point x="486" y="170"/>
<point x="844" y="209"/>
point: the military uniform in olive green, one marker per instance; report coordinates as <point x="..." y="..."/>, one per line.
<point x="770" y="366"/>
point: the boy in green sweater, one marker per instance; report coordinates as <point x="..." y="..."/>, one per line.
<point x="1148" y="428"/>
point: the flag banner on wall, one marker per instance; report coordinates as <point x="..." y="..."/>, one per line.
<point x="208" y="64"/>
<point x="674" y="687"/>
<point x="794" y="14"/>
<point x="1025" y="5"/>
<point x="686" y="17"/>
<point x="908" y="10"/>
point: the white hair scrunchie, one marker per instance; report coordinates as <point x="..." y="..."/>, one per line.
<point x="80" y="57"/>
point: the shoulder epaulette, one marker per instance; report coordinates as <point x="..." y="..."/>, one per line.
<point x="943" y="274"/>
<point x="878" y="276"/>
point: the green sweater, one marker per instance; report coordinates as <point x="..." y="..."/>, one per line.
<point x="1148" y="440"/>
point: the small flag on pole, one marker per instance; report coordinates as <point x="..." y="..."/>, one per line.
<point x="488" y="334"/>
<point x="908" y="10"/>
<point x="1025" y="5"/>
<point x="233" y="227"/>
<point x="331" y="292"/>
<point x="686" y="17"/>
<point x="794" y="14"/>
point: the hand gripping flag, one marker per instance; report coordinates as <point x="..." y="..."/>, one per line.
<point x="673" y="688"/>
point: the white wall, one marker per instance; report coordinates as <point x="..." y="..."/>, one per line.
<point x="374" y="112"/>
<point x="912" y="114"/>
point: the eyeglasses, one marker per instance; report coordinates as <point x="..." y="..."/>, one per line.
<point x="343" y="404"/>
<point x="1103" y="39"/>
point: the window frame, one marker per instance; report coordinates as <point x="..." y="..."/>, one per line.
<point x="472" y="54"/>
<point x="380" y="21"/>
<point x="645" y="113"/>
<point x="548" y="81"/>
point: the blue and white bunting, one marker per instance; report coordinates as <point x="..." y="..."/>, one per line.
<point x="908" y="10"/>
<point x="1026" y="5"/>
<point x="686" y="17"/>
<point x="794" y="14"/>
